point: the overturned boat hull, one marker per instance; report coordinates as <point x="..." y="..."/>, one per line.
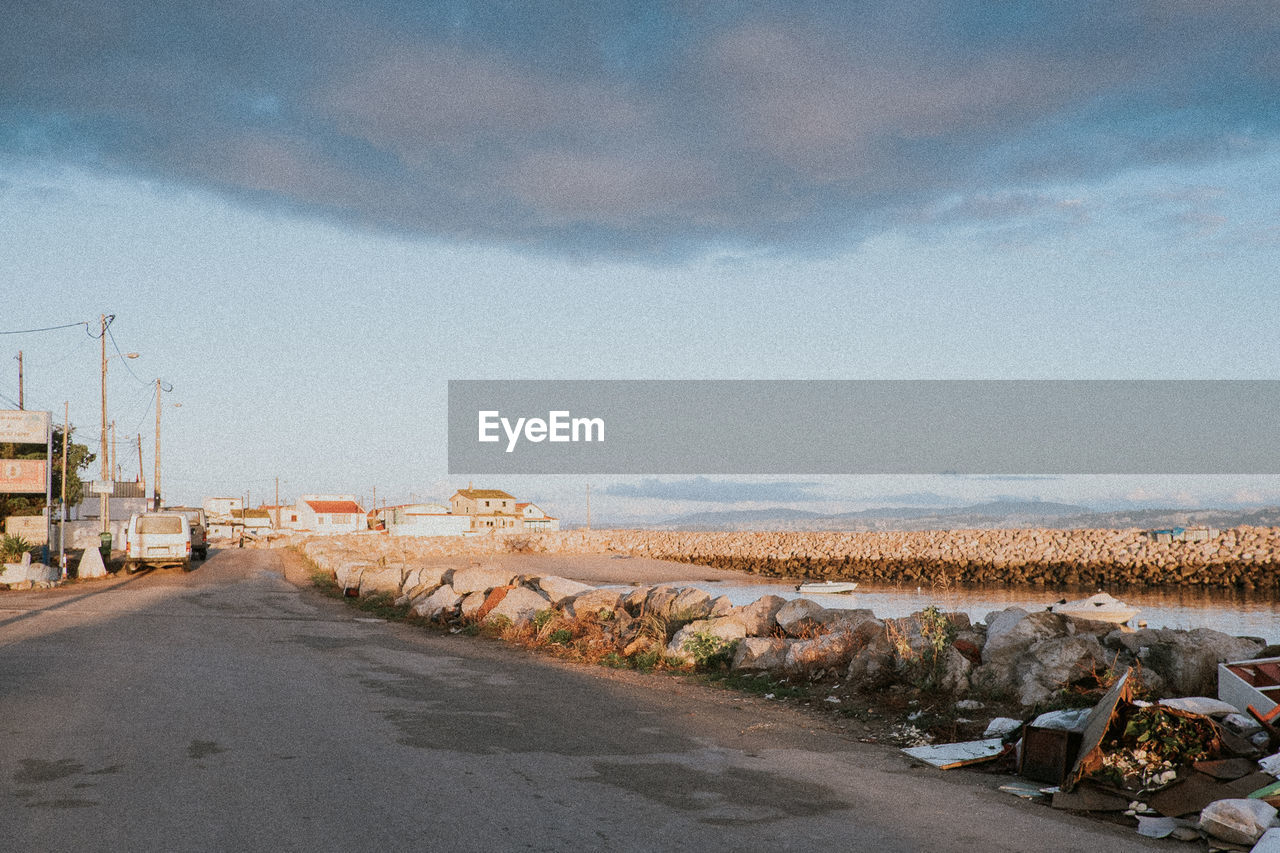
<point x="1098" y="608"/>
<point x="827" y="588"/>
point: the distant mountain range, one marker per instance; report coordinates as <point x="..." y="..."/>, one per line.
<point x="991" y="515"/>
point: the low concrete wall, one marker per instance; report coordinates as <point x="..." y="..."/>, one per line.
<point x="1244" y="557"/>
<point x="29" y="527"/>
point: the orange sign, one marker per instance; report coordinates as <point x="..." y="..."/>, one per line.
<point x="22" y="476"/>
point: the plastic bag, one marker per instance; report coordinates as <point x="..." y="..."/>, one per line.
<point x="1237" y="821"/>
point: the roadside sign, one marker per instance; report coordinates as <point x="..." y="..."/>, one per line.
<point x="23" y="476"/>
<point x="103" y="487"/>
<point x="22" y="427"/>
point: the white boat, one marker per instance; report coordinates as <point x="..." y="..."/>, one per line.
<point x="1100" y="608"/>
<point x="827" y="588"/>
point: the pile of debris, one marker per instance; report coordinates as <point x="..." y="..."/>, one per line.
<point x="1185" y="768"/>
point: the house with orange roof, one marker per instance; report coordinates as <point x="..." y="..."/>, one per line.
<point x="330" y="514"/>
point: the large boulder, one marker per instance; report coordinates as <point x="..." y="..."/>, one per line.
<point x="1042" y="668"/>
<point x="862" y="624"/>
<point x="761" y="654"/>
<point x="424" y="576"/>
<point x="799" y="616"/>
<point x="875" y="664"/>
<point x="471" y="604"/>
<point x="726" y="629"/>
<point x="349" y="573"/>
<point x="720" y="606"/>
<point x="1186" y="660"/>
<point x="759" y="617"/>
<point x="657" y="600"/>
<point x="438" y="604"/>
<point x="953" y="671"/>
<point x="480" y="579"/>
<point x="691" y="603"/>
<point x="593" y="601"/>
<point x="520" y="605"/>
<point x="635" y="600"/>
<point x="1014" y="631"/>
<point x="835" y="648"/>
<point x="557" y="589"/>
<point x="386" y="580"/>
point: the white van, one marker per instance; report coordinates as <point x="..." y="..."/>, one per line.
<point x="157" y="539"/>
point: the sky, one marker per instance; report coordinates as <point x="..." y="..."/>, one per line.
<point x="306" y="217"/>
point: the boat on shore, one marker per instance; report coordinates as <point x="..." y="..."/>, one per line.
<point x="1100" y="608"/>
<point x="827" y="587"/>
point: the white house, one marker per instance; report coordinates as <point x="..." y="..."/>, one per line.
<point x="533" y="518"/>
<point x="426" y="519"/>
<point x="220" y="509"/>
<point x="330" y="514"/>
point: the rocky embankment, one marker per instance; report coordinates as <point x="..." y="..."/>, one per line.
<point x="1022" y="656"/>
<point x="1241" y="557"/>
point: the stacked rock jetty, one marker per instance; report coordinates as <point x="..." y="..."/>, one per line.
<point x="1240" y="557"/>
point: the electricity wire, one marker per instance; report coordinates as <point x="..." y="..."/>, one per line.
<point x="84" y="323"/>
<point x="125" y="361"/>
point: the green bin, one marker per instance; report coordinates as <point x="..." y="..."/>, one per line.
<point x="104" y="545"/>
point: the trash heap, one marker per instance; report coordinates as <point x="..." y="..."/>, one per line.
<point x="1187" y="768"/>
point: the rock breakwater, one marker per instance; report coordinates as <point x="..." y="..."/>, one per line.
<point x="1241" y="557"/>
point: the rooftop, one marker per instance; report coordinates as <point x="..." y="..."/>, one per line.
<point x="324" y="507"/>
<point x="486" y="494"/>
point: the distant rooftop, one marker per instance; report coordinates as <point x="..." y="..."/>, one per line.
<point x="325" y="507"/>
<point x="486" y="494"/>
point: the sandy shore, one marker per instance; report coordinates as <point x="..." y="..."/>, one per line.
<point x="599" y="569"/>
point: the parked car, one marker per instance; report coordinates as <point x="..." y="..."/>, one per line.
<point x="199" y="529"/>
<point x="157" y="539"/>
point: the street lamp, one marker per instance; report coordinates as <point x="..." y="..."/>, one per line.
<point x="104" y="499"/>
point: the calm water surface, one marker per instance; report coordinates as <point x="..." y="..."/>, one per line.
<point x="1252" y="614"/>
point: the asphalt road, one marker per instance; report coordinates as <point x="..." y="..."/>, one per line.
<point x="227" y="709"/>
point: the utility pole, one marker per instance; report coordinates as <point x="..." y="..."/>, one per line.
<point x="115" y="460"/>
<point x="20" y="397"/>
<point x="155" y="491"/>
<point x="62" y="528"/>
<point x="142" y="477"/>
<point x="104" y="498"/>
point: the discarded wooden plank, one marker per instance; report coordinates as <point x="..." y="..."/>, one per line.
<point x="1086" y="798"/>
<point x="1090" y="756"/>
<point x="1227" y="768"/>
<point x="945" y="756"/>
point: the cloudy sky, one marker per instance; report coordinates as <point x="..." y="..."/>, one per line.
<point x="307" y="217"/>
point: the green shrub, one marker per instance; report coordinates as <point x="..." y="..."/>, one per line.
<point x="647" y="660"/>
<point x="560" y="637"/>
<point x="710" y="651"/>
<point x="12" y="547"/>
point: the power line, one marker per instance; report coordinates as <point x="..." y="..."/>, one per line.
<point x="124" y="360"/>
<point x="84" y="323"/>
<point x="146" y="410"/>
